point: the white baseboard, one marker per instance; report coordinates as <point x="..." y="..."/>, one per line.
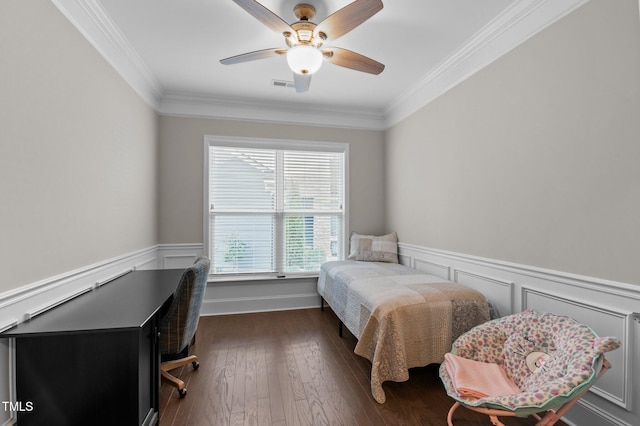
<point x="278" y="294"/>
<point x="260" y="304"/>
<point x="609" y="308"/>
<point x="222" y="297"/>
<point x="237" y="296"/>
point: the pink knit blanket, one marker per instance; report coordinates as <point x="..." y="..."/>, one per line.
<point x="475" y="379"/>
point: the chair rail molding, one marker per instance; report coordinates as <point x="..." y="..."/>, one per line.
<point x="24" y="302"/>
<point x="608" y="307"/>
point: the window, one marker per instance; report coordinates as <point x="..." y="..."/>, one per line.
<point x="274" y="207"/>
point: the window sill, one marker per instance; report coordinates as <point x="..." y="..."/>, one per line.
<point x="257" y="278"/>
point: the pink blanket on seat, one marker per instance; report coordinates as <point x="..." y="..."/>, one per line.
<point x="475" y="379"/>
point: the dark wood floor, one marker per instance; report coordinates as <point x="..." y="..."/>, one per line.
<point x="291" y="368"/>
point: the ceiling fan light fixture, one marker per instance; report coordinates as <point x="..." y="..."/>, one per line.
<point x="304" y="59"/>
<point x="305" y="39"/>
<point x="305" y="35"/>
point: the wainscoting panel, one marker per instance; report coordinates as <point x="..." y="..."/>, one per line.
<point x="499" y="292"/>
<point x="26" y="302"/>
<point x="433" y="268"/>
<point x="609" y="308"/>
<point x="404" y="260"/>
<point x="178" y="256"/>
<point x="616" y="384"/>
<point x="146" y="264"/>
<point x="237" y="296"/>
<point x="234" y="296"/>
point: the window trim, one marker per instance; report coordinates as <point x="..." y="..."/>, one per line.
<point x="268" y="143"/>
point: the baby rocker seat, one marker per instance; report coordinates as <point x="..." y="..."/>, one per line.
<point x="524" y="364"/>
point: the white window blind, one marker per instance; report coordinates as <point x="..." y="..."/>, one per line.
<point x="275" y="211"/>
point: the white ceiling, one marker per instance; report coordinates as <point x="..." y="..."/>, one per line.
<point x="169" y="51"/>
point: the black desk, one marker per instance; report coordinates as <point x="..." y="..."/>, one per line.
<point x="95" y="360"/>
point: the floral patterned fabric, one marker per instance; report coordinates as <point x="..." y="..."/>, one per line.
<point x="551" y="358"/>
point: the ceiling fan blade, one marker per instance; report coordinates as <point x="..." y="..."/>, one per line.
<point x="264" y="15"/>
<point x="349" y="17"/>
<point x="301" y="81"/>
<point x="252" y="56"/>
<point x="355" y="61"/>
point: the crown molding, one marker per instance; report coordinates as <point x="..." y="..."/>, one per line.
<point x="93" y="22"/>
<point x="189" y="104"/>
<point x="515" y="25"/>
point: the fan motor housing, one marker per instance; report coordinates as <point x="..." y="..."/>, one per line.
<point x="304" y="12"/>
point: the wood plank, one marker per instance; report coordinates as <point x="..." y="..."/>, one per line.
<point x="236" y="419"/>
<point x="264" y="412"/>
<point x="262" y="383"/>
<point x="239" y="379"/>
<point x="318" y="414"/>
<point x="304" y="412"/>
<point x="274" y="353"/>
<point x="250" y="387"/>
<point x="291" y="368"/>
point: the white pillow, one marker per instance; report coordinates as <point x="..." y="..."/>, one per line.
<point x="370" y="248"/>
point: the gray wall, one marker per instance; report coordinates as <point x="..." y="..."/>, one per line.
<point x="531" y="160"/>
<point x="181" y="170"/>
<point x="78" y="151"/>
<point x="534" y="159"/>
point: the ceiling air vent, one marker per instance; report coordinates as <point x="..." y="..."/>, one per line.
<point x="282" y="83"/>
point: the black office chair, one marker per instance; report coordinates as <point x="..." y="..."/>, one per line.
<point x="179" y="323"/>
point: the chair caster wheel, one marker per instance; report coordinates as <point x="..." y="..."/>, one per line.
<point x="195" y="364"/>
<point x="182" y="392"/>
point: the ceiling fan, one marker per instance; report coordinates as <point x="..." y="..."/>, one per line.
<point x="305" y="52"/>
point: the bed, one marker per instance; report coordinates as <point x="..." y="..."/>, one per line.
<point x="401" y="317"/>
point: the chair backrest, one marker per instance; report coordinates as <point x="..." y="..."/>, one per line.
<point x="178" y="325"/>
